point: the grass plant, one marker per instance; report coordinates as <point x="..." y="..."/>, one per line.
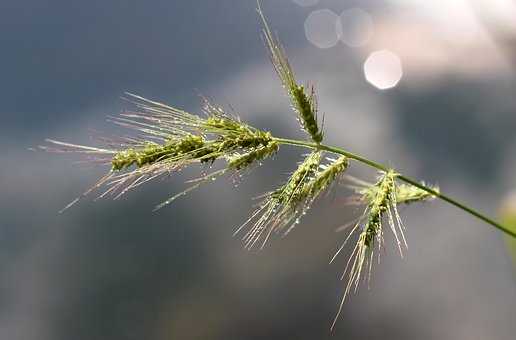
<point x="167" y="139"/>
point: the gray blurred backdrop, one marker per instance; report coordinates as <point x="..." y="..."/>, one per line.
<point x="115" y="270"/>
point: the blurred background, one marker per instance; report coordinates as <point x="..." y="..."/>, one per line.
<point x="427" y="86"/>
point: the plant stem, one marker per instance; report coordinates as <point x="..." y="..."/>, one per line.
<point x="403" y="178"/>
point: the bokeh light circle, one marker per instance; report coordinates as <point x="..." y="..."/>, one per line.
<point x="383" y="69"/>
<point x="356" y="27"/>
<point x="306" y="3"/>
<point x="321" y="28"/>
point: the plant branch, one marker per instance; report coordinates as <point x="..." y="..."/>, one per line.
<point x="403" y="178"/>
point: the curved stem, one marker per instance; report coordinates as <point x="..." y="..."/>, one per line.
<point x="403" y="178"/>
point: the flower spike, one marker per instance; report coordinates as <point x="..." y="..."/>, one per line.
<point x="303" y="100"/>
<point x="168" y="140"/>
<point x="381" y="203"/>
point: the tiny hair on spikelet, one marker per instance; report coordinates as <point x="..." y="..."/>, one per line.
<point x="381" y="201"/>
<point x="169" y="139"/>
<point x="236" y="163"/>
<point x="381" y="198"/>
<point x="325" y="176"/>
<point x="239" y="161"/>
<point x="281" y="210"/>
<point x="324" y="179"/>
<point x="405" y="193"/>
<point x="303" y="102"/>
<point x="278" y="210"/>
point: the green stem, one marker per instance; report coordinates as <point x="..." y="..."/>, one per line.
<point x="403" y="178"/>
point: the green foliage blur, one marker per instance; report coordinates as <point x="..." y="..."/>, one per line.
<point x="508" y="218"/>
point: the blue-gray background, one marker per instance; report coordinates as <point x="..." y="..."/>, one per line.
<point x="115" y="270"/>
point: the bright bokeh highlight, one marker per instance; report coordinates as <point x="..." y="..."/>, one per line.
<point x="383" y="69"/>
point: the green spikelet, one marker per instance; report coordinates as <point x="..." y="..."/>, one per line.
<point x="241" y="161"/>
<point x="231" y="132"/>
<point x="303" y="103"/>
<point x="407" y="194"/>
<point x="306" y="107"/>
<point x="277" y="210"/>
<point x="153" y="152"/>
<point x="300" y="177"/>
<point x="323" y="179"/>
<point x="378" y="205"/>
<point x="303" y="198"/>
<point x="169" y="140"/>
<point x="381" y="202"/>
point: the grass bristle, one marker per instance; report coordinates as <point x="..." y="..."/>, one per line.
<point x="169" y="139"/>
<point x="381" y="204"/>
<point x="278" y="210"/>
<point x="303" y="102"/>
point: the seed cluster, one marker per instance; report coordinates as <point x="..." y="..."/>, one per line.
<point x="405" y="194"/>
<point x="301" y="177"/>
<point x="303" y="103"/>
<point x="282" y="209"/>
<point x="153" y="152"/>
<point x="325" y="178"/>
<point x="170" y="139"/>
<point x="381" y="201"/>
<point x="377" y="206"/>
<point x="242" y="161"/>
<point x="306" y="107"/>
<point x="277" y="211"/>
<point x="410" y="194"/>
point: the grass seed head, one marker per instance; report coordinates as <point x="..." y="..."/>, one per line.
<point x="381" y="205"/>
<point x="169" y="139"/>
<point x="241" y="161"/>
<point x="324" y="178"/>
<point x="306" y="107"/>
<point x="278" y="210"/>
<point x="407" y="194"/>
<point x="152" y="152"/>
<point x="304" y="103"/>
